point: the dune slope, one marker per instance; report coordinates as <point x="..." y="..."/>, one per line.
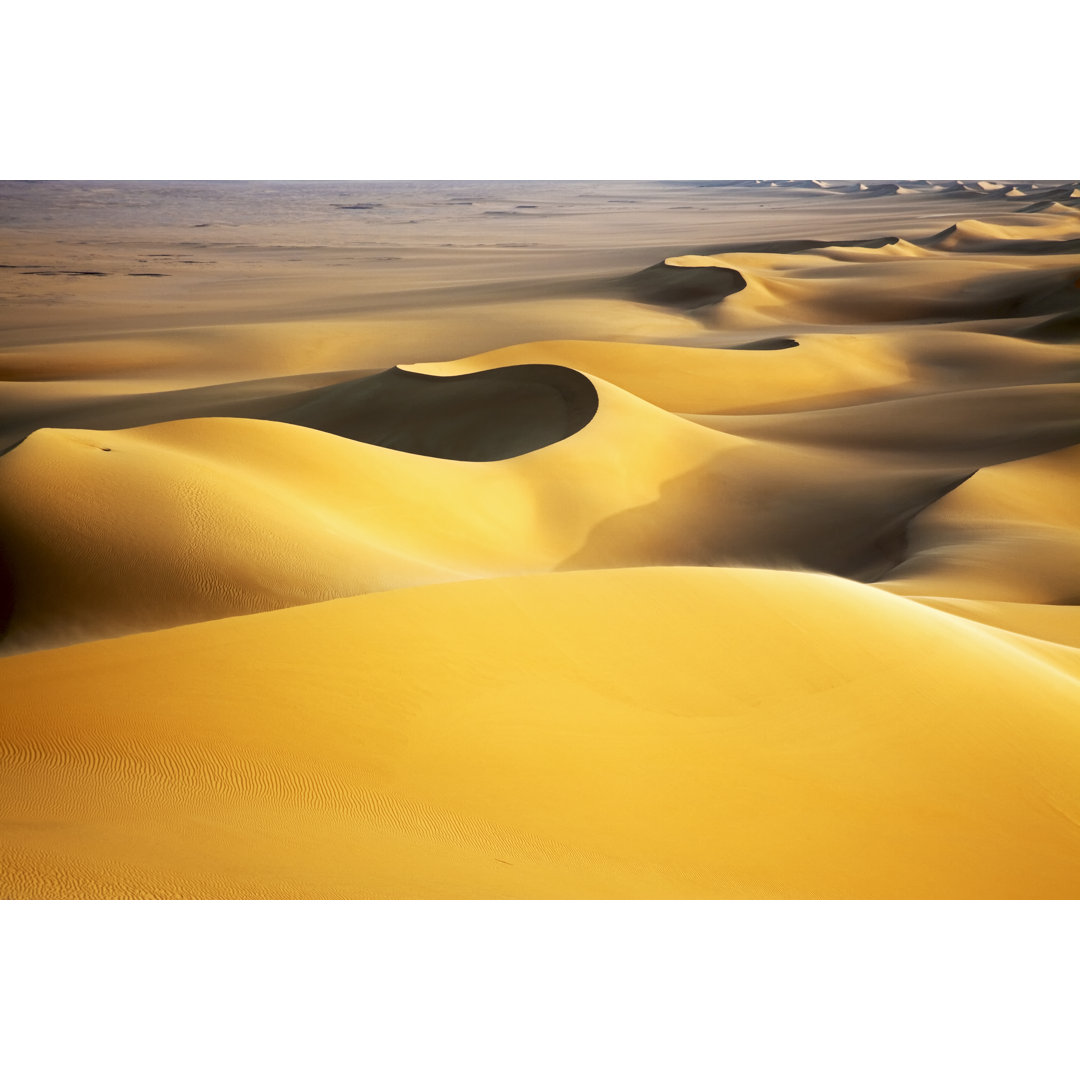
<point x="652" y="732"/>
<point x="224" y="516"/>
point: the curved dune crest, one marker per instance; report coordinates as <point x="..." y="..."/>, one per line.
<point x="224" y="516"/>
<point x="821" y="288"/>
<point x="684" y="285"/>
<point x="643" y="733"/>
<point x="485" y="415"/>
<point x="973" y="234"/>
<point x="1058" y="624"/>
<point x="1059" y="328"/>
<point x="1010" y="533"/>
<point x="816" y="370"/>
<point x="1050" y="206"/>
<point x="684" y="379"/>
<point x="966" y="429"/>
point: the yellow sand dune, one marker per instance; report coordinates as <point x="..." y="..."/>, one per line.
<point x="1056" y="623"/>
<point x="896" y="248"/>
<point x="227" y="515"/>
<point x="1052" y="206"/>
<point x="966" y="429"/>
<point x="650" y="733"/>
<point x="973" y="234"/>
<point x="223" y="516"/>
<point x="1010" y="533"/>
<point x="174" y="358"/>
<point x="816" y="288"/>
<point x="815" y="369"/>
<point x="686" y="379"/>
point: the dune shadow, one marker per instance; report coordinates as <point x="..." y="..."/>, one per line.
<point x="486" y="415"/>
<point x="743" y="514"/>
<point x="766" y="344"/>
<point x="1062" y="328"/>
<point x="683" y="287"/>
<point x="479" y="416"/>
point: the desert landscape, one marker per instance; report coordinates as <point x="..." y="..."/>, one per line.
<point x="538" y="540"/>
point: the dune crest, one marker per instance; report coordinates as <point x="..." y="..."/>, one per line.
<point x="886" y="286"/>
<point x="1010" y="533"/>
<point x="230" y="516"/>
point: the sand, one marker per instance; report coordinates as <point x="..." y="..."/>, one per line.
<point x="540" y="541"/>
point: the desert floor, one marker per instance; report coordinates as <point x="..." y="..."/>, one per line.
<point x="527" y="540"/>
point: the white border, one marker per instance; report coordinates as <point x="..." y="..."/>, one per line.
<point x="842" y="991"/>
<point x="571" y="89"/>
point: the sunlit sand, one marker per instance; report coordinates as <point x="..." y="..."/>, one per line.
<point x="540" y="541"/>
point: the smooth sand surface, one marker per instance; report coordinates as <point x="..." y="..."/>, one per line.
<point x="654" y="732"/>
<point x="552" y="541"/>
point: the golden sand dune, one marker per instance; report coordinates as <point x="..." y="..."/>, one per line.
<point x="223" y="516"/>
<point x="817" y="288"/>
<point x="1054" y="223"/>
<point x="1011" y="532"/>
<point x="1055" y="623"/>
<point x="794" y="373"/>
<point x="686" y="380"/>
<point x="812" y="282"/>
<point x="541" y="540"/>
<point x="1061" y="328"/>
<point x="551" y="736"/>
<point x="965" y="429"/>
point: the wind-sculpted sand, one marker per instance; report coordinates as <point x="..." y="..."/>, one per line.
<point x="744" y="564"/>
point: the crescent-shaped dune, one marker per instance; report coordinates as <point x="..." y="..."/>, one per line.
<point x="815" y="370"/>
<point x="486" y="416"/>
<point x="816" y="289"/>
<point x="224" y="516"/>
<point x="689" y="287"/>
<point x="683" y="379"/>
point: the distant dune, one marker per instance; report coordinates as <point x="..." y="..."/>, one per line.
<point x="588" y="541"/>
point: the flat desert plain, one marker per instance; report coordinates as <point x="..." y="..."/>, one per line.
<point x="522" y="540"/>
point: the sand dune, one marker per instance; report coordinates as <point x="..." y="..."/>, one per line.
<point x="461" y="749"/>
<point x="1011" y="532"/>
<point x="541" y="541"/>
<point x="684" y="379"/>
<point x="1055" y="623"/>
<point x="227" y="516"/>
<point x="1060" y="328"/>
<point x="818" y="289"/>
<point x="964" y="429"/>
<point x="1011" y="233"/>
<point x="817" y="368"/>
